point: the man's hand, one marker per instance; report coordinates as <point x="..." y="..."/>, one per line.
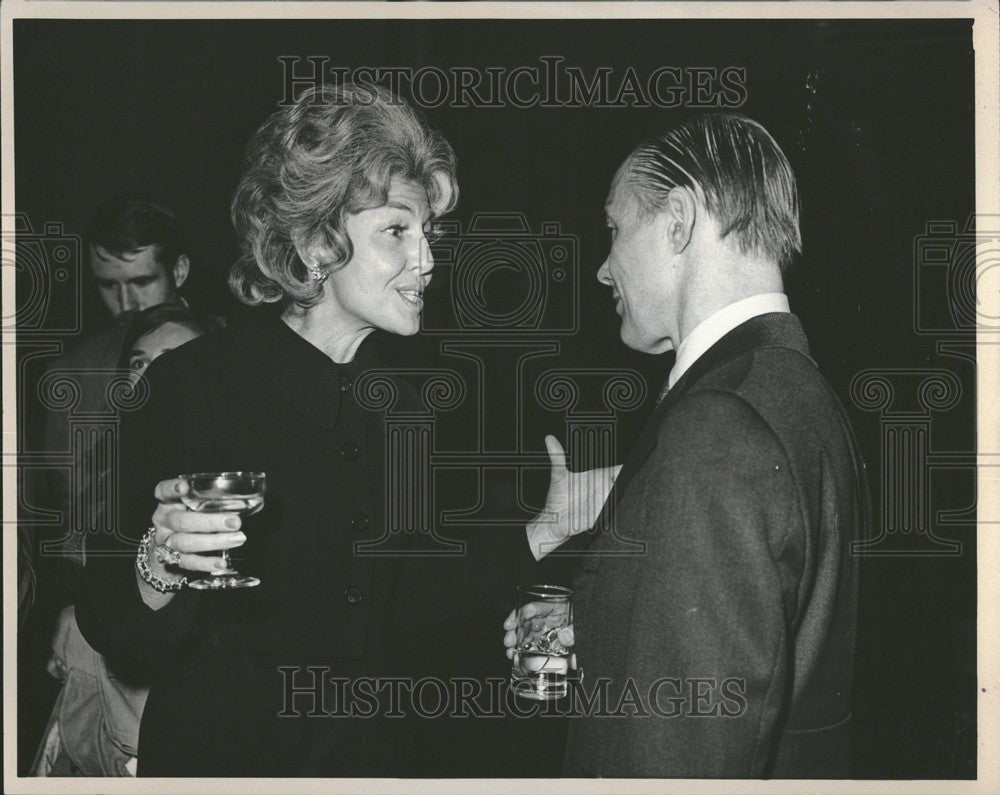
<point x="573" y="503"/>
<point x="535" y="619"/>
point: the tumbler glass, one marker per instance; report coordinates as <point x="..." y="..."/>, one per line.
<point x="544" y="644"/>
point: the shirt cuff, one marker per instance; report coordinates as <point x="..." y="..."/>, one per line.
<point x="541" y="541"/>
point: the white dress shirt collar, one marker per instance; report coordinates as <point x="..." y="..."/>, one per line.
<point x="717" y="325"/>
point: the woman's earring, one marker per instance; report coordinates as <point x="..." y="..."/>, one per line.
<point x="319" y="274"/>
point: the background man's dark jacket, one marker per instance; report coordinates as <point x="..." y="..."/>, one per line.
<point x="746" y="489"/>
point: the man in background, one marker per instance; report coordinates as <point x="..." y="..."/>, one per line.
<point x="137" y="256"/>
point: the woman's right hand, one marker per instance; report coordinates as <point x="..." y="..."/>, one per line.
<point x="190" y="532"/>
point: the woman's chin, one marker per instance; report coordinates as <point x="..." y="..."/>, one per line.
<point x="403" y="328"/>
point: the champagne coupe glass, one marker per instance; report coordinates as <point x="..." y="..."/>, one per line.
<point x="225" y="492"/>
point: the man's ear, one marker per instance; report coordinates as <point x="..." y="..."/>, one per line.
<point x="181" y="269"/>
<point x="682" y="210"/>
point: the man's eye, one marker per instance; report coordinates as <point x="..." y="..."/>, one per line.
<point x="137" y="364"/>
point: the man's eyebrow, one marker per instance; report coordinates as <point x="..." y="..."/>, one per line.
<point x="142" y="277"/>
<point x="136" y="352"/>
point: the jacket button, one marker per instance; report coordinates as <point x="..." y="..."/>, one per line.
<point x="359" y="521"/>
<point x="345" y="383"/>
<point x="353" y="595"/>
<point x="349" y="452"/>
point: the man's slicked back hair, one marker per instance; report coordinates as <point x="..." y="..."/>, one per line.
<point x="745" y="179"/>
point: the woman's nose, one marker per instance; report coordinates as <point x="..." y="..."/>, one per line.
<point x="425" y="259"/>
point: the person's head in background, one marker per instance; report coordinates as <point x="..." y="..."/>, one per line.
<point x="158" y="329"/>
<point x="137" y="254"/>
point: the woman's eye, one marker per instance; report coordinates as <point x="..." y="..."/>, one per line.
<point x="397" y="230"/>
<point x="137" y="364"/>
<point x="433" y="232"/>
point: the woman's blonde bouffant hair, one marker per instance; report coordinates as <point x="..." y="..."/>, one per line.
<point x="308" y="166"/>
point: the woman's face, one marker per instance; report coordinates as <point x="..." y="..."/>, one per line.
<point x="157" y="341"/>
<point x="381" y="286"/>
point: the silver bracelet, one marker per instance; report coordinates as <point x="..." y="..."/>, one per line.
<point x="160" y="584"/>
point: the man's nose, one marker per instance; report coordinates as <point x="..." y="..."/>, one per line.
<point x="127" y="298"/>
<point x="603" y="274"/>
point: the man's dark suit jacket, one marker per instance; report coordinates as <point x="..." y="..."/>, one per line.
<point x="734" y="629"/>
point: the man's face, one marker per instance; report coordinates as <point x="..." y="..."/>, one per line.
<point x="135" y="281"/>
<point x="641" y="272"/>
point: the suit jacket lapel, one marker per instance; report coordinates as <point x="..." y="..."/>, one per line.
<point x="777" y="329"/>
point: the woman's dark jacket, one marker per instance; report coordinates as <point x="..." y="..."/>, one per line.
<point x="236" y="675"/>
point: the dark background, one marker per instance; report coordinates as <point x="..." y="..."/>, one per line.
<point x="875" y="116"/>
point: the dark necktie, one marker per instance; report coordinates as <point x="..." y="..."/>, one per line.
<point x="663" y="392"/>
